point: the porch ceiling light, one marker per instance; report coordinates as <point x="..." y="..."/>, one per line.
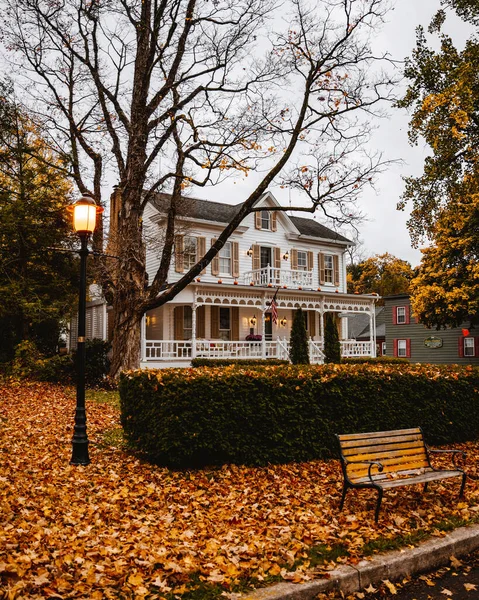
<point x="286" y="255"/>
<point x="250" y="251"/>
<point x="84" y="213"/>
<point x="283" y="322"/>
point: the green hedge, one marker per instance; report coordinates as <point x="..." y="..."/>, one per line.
<point x="212" y="416"/>
<point x="239" y="362"/>
<point x="382" y="360"/>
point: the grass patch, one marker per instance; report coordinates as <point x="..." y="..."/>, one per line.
<point x="111" y="397"/>
<point x="321" y="553"/>
<point x="113" y="437"/>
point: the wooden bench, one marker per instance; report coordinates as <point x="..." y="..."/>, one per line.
<point x="390" y="459"/>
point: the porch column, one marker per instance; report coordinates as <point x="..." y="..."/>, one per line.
<point x="372" y="332"/>
<point x="263" y="328"/>
<point x="321" y="322"/>
<point x="143" y="338"/>
<point x="193" y="330"/>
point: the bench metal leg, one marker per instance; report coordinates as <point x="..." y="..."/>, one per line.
<point x="426" y="486"/>
<point x="378" y="505"/>
<point x="343" y="496"/>
<point x="461" y="493"/>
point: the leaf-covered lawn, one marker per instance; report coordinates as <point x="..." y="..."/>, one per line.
<point x="122" y="528"/>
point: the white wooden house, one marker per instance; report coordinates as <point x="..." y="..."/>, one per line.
<point x="229" y="303"/>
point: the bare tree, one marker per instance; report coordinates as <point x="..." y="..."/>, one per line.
<point x="204" y="87"/>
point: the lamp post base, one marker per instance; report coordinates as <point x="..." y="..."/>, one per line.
<point x="80" y="453"/>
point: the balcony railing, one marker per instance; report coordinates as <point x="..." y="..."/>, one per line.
<point x="279" y="277"/>
<point x="168" y="350"/>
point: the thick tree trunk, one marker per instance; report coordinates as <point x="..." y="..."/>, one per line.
<point x="129" y="284"/>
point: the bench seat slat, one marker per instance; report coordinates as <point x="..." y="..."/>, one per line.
<point x="376" y="434"/>
<point x="400" y="469"/>
<point x="379" y="441"/>
<point x="414" y="480"/>
<point x="372" y="454"/>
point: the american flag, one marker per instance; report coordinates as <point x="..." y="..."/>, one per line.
<point x="274" y="311"/>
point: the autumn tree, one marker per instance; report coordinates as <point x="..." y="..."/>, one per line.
<point x="37" y="285"/>
<point x="172" y="94"/>
<point x="444" y="98"/>
<point x="382" y="274"/>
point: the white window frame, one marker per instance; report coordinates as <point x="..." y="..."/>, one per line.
<point x="224" y="334"/>
<point x="225" y="259"/>
<point x="402" y="348"/>
<point x="189" y="258"/>
<point x="266" y="220"/>
<point x="383" y="348"/>
<point x="328" y="268"/>
<point x="400" y="315"/>
<point x="469" y="347"/>
<point x="302" y="260"/>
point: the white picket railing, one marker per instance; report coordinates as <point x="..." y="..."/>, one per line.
<point x="163" y="350"/>
<point x="279" y="277"/>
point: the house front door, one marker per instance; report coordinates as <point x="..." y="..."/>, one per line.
<point x="268" y="327"/>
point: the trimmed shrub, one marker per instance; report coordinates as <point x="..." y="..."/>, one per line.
<point x="197" y="417"/>
<point x="382" y="360"/>
<point x="227" y="362"/>
<point x="332" y="348"/>
<point x="298" y="352"/>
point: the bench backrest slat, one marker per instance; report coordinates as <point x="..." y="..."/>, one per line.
<point x="399" y="451"/>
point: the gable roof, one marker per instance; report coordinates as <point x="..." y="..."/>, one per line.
<point x="207" y="210"/>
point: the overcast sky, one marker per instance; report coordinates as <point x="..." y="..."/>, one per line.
<point x="385" y="230"/>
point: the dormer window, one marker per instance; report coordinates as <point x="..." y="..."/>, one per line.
<point x="265" y="219"/>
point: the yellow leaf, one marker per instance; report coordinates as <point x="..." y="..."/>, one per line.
<point x="446" y="592"/>
<point x="391" y="587"/>
<point x="136" y="579"/>
<point x="470" y="587"/>
<point x="455" y="562"/>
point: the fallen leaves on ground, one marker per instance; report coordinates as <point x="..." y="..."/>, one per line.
<point x="123" y="528"/>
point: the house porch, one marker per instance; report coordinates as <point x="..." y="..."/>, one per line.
<point x="236" y="322"/>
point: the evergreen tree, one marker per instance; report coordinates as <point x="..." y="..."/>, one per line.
<point x="298" y="353"/>
<point x="332" y="349"/>
<point x="37" y="285"/>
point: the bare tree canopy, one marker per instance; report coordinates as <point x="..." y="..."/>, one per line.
<point x="171" y="94"/>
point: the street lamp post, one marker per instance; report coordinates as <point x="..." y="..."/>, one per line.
<point x="84" y="213"/>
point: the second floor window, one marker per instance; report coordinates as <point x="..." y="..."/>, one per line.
<point x="401" y="315"/>
<point x="190" y="245"/>
<point x="302" y="260"/>
<point x="328" y="268"/>
<point x="265" y="219"/>
<point x="225" y="259"/>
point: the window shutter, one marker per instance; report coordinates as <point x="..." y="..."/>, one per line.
<point x="310" y="261"/>
<point x="235" y="259"/>
<point x="179" y="322"/>
<point x="256" y="258"/>
<point x="200" y="322"/>
<point x="395" y="347"/>
<point x="294" y="259"/>
<point x="201" y="250"/>
<point x="336" y="269"/>
<point x="277" y="258"/>
<point x="395" y="315"/>
<point x="179" y="262"/>
<point x="476" y="346"/>
<point x="257" y="220"/>
<point x="321" y="268"/>
<point x="312" y="323"/>
<point x="215" y="322"/>
<point x="234" y="323"/>
<point x="215" y="263"/>
<point x="408" y="348"/>
<point x="274" y="221"/>
<point x="460" y="348"/>
<point x="407" y="315"/>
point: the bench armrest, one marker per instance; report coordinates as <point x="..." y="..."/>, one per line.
<point x="371" y="464"/>
<point x="453" y="452"/>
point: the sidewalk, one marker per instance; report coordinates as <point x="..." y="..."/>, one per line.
<point x="392" y="565"/>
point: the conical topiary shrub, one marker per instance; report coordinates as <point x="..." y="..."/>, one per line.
<point x="298" y="352"/>
<point x="332" y="348"/>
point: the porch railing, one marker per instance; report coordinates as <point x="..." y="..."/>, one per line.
<point x="163" y="350"/>
<point x="275" y="277"/>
